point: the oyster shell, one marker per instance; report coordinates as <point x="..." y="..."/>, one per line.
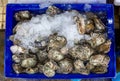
<point x="80" y="67"/>
<point x="89" y="26"/>
<point x="84" y="71"/>
<point x="55" y="55"/>
<point x="97" y="39"/>
<point x="82" y="52"/>
<point x="52" y="10"/>
<point x="17" y="49"/>
<point x="23" y="15"/>
<point x="31" y="70"/>
<point x="42" y="56"/>
<point x="40" y="67"/>
<point x="17" y="68"/>
<point x="80" y="21"/>
<point x="28" y="62"/>
<point x="105" y="47"/>
<point x="99" y="25"/>
<point x="56" y="42"/>
<point x="48" y="71"/>
<point x="99" y="59"/>
<point x="99" y="69"/>
<point x="66" y="66"/>
<point x="16" y="58"/>
<point x="51" y="64"/>
<point x="78" y="64"/>
<point x="89" y="66"/>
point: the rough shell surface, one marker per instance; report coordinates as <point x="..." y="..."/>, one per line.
<point x="42" y="55"/>
<point x="65" y="66"/>
<point x="17" y="68"/>
<point x="99" y="59"/>
<point x="16" y="49"/>
<point x="105" y="47"/>
<point x="82" y="52"/>
<point x="55" y="55"/>
<point x="52" y="64"/>
<point x="23" y="15"/>
<point x="80" y="21"/>
<point x="28" y="62"/>
<point x="48" y="71"/>
<point x="78" y="64"/>
<point x="52" y="10"/>
<point x="97" y="39"/>
<point x="16" y="58"/>
<point x="56" y="42"/>
<point x="99" y="69"/>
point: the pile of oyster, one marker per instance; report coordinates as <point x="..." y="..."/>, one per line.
<point x="53" y="56"/>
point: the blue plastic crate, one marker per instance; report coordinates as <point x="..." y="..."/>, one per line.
<point x="35" y="8"/>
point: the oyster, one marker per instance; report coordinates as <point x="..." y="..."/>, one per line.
<point x="48" y="71"/>
<point x="17" y="68"/>
<point x="28" y="62"/>
<point x="55" y="55"/>
<point x="99" y="59"/>
<point x="52" y="10"/>
<point x="97" y="39"/>
<point x="80" y="67"/>
<point x="80" y="21"/>
<point x="105" y="47"/>
<point x="31" y="70"/>
<point x="17" y="49"/>
<point x="99" y="69"/>
<point x="78" y="64"/>
<point x="42" y="56"/>
<point x="23" y="15"/>
<point x="51" y="64"/>
<point x="89" y="26"/>
<point x="40" y="67"/>
<point x="84" y="71"/>
<point x="66" y="66"/>
<point x="99" y="25"/>
<point x="56" y="42"/>
<point x="16" y="58"/>
<point x="82" y="52"/>
<point x="89" y="66"/>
